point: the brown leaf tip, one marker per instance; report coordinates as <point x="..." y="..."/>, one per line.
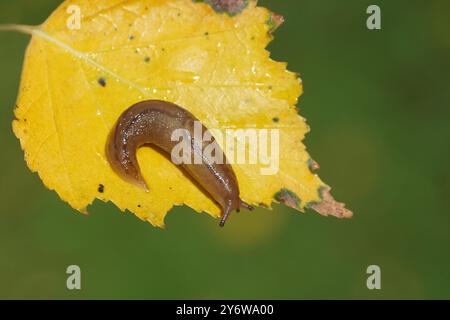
<point x="313" y="165"/>
<point x="231" y="7"/>
<point x="275" y="20"/>
<point x="330" y="207"/>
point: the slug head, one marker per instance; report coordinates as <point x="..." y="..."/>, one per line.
<point x="121" y="155"/>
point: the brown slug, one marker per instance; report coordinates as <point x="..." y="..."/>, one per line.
<point x="153" y="122"/>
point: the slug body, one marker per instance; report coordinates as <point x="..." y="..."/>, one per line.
<point x="153" y="122"/>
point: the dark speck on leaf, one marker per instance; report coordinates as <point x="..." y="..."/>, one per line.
<point x="275" y="119"/>
<point x="131" y="37"/>
<point x="206" y="33"/>
<point x="101" y="188"/>
<point x="102" y="81"/>
<point x="147" y="59"/>
<point x="139" y="205"/>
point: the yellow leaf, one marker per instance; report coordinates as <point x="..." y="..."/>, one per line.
<point x="77" y="82"/>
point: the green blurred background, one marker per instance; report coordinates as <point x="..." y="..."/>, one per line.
<point x="378" y="105"/>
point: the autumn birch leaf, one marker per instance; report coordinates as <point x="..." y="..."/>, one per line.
<point x="207" y="56"/>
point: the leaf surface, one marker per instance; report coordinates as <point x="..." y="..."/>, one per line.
<point x="76" y="83"/>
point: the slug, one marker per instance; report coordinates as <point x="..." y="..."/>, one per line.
<point x="152" y="122"/>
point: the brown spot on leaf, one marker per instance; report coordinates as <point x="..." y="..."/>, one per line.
<point x="231" y="7"/>
<point x="101" y="188"/>
<point x="288" y="198"/>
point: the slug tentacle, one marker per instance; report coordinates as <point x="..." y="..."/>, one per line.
<point x="246" y="205"/>
<point x="153" y="122"/>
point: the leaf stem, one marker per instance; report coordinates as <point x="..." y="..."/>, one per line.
<point x="18" y="28"/>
